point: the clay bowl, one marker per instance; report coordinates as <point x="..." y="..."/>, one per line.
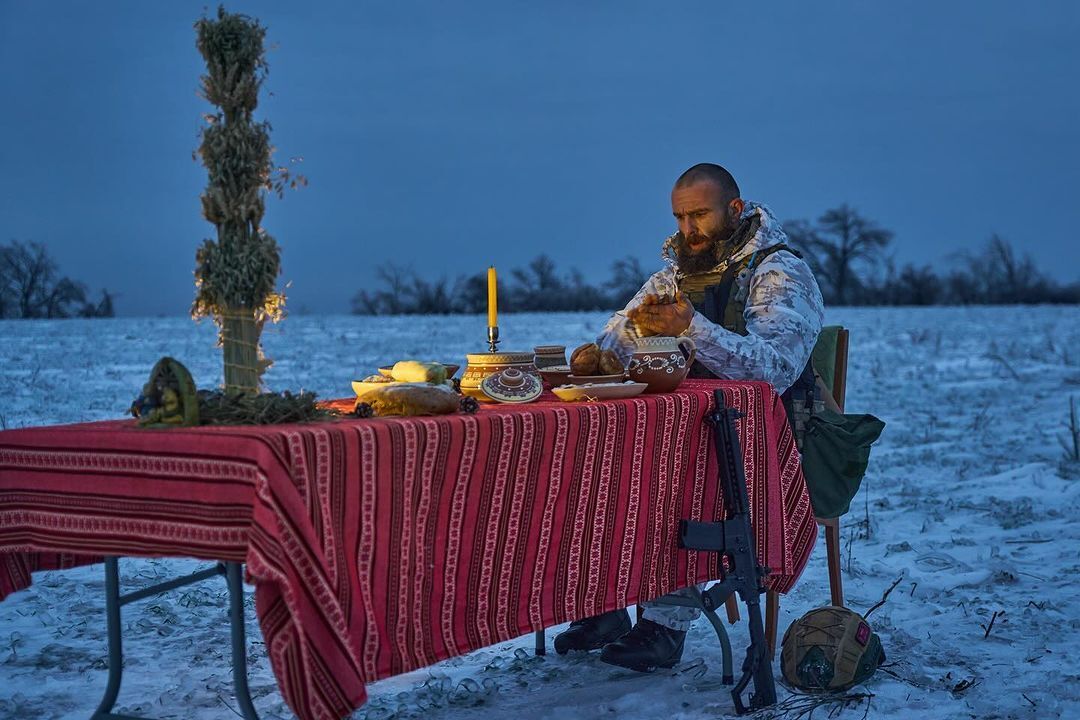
<point x="594" y="379"/>
<point x="451" y="368"/>
<point x="480" y="365"/>
<point x="555" y="375"/>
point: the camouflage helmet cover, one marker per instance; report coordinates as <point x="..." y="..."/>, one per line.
<point x="829" y="648"/>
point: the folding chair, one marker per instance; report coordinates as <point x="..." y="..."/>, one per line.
<point x="830" y="362"/>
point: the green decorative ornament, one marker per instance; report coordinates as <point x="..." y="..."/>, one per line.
<point x="829" y="649"/>
<point x="169" y="398"/>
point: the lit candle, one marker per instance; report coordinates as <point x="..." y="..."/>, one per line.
<point x="493" y="302"/>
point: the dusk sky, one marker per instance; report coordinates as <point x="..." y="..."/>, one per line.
<point x="447" y="136"/>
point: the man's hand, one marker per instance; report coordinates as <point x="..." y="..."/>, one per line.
<point x="655" y="317"/>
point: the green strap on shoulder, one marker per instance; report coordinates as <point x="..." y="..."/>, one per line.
<point x="727" y="290"/>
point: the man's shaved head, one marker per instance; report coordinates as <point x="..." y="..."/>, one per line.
<point x="707" y="207"/>
<point x="709" y="172"/>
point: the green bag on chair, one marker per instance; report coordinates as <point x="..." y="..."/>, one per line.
<point x="835" y="453"/>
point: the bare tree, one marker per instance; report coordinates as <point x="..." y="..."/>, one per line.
<point x="403" y="292"/>
<point x="471" y="293"/>
<point x="538" y="277"/>
<point x="915" y="286"/>
<point x="997" y="275"/>
<point x="538" y="286"/>
<point x="7" y="288"/>
<point x="627" y="277"/>
<point x="1017" y="279"/>
<point x="65" y="299"/>
<point x="396" y="280"/>
<point x="429" y="298"/>
<point x="30" y="274"/>
<point x="103" y="307"/>
<point x="579" y="294"/>
<point x="841" y="244"/>
<point x="30" y="286"/>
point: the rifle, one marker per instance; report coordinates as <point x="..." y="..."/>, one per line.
<point x="733" y="539"/>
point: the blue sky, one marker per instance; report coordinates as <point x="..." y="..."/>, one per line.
<point x="447" y="136"/>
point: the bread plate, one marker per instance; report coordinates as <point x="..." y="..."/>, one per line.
<point x="595" y="379"/>
<point x="591" y="392"/>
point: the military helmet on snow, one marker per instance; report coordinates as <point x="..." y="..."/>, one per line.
<point x="829" y="648"/>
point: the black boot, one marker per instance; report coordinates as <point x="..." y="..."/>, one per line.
<point x="646" y="647"/>
<point x="593" y="633"/>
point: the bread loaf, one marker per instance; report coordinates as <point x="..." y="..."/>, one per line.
<point x="412" y="399"/>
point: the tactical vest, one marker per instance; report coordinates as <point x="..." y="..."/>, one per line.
<point x="723" y="302"/>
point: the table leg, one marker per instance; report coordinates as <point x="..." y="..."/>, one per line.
<point x="234" y="578"/>
<point x="116" y="652"/>
<point x="114" y="601"/>
<point x="541" y="643"/>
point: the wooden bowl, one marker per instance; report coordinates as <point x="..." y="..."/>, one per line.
<point x="555" y="376"/>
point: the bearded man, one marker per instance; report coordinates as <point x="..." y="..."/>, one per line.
<point x="754" y="311"/>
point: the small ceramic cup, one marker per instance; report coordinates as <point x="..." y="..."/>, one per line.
<point x="545" y="356"/>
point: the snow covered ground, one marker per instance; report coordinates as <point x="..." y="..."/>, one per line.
<point x="969" y="502"/>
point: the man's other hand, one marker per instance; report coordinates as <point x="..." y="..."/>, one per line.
<point x="656" y="317"/>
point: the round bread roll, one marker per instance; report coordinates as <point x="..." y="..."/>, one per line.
<point x="585" y="360"/>
<point x="610" y="364"/>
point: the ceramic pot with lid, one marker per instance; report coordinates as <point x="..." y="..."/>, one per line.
<point x="480" y="365"/>
<point x="512" y="386"/>
<point x="662" y="362"/>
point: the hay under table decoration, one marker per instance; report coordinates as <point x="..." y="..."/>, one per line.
<point x="378" y="546"/>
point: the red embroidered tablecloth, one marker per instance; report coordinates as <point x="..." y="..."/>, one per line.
<point x="379" y="546"/>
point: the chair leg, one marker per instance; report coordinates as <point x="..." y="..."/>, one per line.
<point x="832" y="550"/>
<point x="772" y="613"/>
<point x="732" y="604"/>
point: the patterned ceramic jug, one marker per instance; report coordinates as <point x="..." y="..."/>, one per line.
<point x="662" y="362"/>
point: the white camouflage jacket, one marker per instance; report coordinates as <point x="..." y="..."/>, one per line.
<point x="784" y="314"/>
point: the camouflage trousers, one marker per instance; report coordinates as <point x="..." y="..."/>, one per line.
<point x="675" y="617"/>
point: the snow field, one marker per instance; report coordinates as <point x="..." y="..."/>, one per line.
<point x="969" y="502"/>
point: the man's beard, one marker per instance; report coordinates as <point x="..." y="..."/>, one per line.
<point x="705" y="259"/>
<point x="721" y="246"/>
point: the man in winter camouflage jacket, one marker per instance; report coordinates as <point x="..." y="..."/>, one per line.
<point x="754" y="311"/>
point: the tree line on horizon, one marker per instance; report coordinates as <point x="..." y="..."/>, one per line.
<point x="537" y="287"/>
<point x="848" y="253"/>
<point x="31" y="287"/>
<point x="849" y="256"/>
